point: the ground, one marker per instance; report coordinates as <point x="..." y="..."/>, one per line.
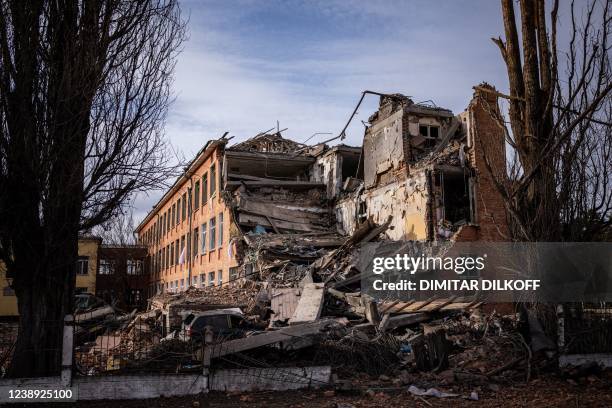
<point x="551" y="392"/>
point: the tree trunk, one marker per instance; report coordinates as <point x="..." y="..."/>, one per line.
<point x="531" y="90"/>
<point x="38" y="349"/>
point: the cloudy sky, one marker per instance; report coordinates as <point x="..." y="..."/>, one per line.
<point x="250" y="63"/>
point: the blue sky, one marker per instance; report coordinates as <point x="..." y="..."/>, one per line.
<point x="249" y="63"/>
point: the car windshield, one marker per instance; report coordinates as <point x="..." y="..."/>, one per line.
<point x="81" y="302"/>
<point x="188" y="319"/>
<point x="217" y="322"/>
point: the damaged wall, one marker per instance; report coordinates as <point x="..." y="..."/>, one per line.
<point x="347" y="213"/>
<point x="485" y="137"/>
<point x="334" y="166"/>
<point x="328" y="170"/>
<point x="406" y="201"/>
<point x="383" y="148"/>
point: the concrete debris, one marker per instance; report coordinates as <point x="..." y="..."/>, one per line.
<point x="431" y="392"/>
<point x="300" y="215"/>
<point x="310" y="304"/>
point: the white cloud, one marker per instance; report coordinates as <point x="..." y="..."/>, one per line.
<point x="222" y="85"/>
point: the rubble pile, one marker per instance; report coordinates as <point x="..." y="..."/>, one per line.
<point x="269" y="143"/>
<point x="294" y="311"/>
<point x="298" y="301"/>
<point x="234" y="295"/>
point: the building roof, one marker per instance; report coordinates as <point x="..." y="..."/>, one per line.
<point x="199" y="158"/>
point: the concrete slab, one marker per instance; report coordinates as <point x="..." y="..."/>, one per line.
<point x="310" y="304"/>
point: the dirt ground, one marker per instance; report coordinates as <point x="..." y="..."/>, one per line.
<point x="550" y="392"/>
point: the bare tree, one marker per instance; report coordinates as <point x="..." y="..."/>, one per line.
<point x="560" y="118"/>
<point x="118" y="230"/>
<point x="84" y="91"/>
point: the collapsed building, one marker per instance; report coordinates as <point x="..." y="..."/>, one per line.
<point x="290" y="219"/>
<point x="427" y="168"/>
<point x="424" y="172"/>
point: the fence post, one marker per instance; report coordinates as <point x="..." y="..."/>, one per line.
<point x="560" y="328"/>
<point x="67" y="347"/>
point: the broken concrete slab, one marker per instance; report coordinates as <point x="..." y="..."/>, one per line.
<point x="266" y="338"/>
<point x="283" y="302"/>
<point x="310" y="304"/>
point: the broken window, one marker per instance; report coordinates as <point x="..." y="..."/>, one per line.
<point x="233" y="273"/>
<point x="211" y="278"/>
<point x="220" y="277"/>
<point x="430" y="133"/>
<point x="456" y="197"/>
<point x="184" y="207"/>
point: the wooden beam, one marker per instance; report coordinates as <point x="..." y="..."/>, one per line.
<point x="441" y="305"/>
<point x="389" y="306"/>
<point x="405" y="306"/>
<point x="393" y="322"/>
<point x="428" y="301"/>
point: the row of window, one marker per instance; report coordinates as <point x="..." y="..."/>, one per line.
<point x="204" y="188"/>
<point x="207" y="236"/>
<point x="197" y="281"/>
<point x="201" y="280"/>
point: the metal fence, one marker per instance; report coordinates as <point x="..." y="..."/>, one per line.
<point x="132" y="347"/>
<point x="587" y="328"/>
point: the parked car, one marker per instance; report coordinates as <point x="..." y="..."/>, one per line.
<point x="86" y="301"/>
<point x="224" y="323"/>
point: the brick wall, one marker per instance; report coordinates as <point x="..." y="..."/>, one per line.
<point x="487" y="139"/>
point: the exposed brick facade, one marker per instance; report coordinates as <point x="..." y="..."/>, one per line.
<point x="487" y="138"/>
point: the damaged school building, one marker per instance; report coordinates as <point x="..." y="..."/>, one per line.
<point x="239" y="209"/>
<point x="254" y="258"/>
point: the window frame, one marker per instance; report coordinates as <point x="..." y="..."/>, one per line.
<point x="220" y="232"/>
<point x="82" y="260"/>
<point x="212" y="237"/>
<point x="204" y="188"/>
<point x="196" y="195"/>
<point x="213" y="179"/>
